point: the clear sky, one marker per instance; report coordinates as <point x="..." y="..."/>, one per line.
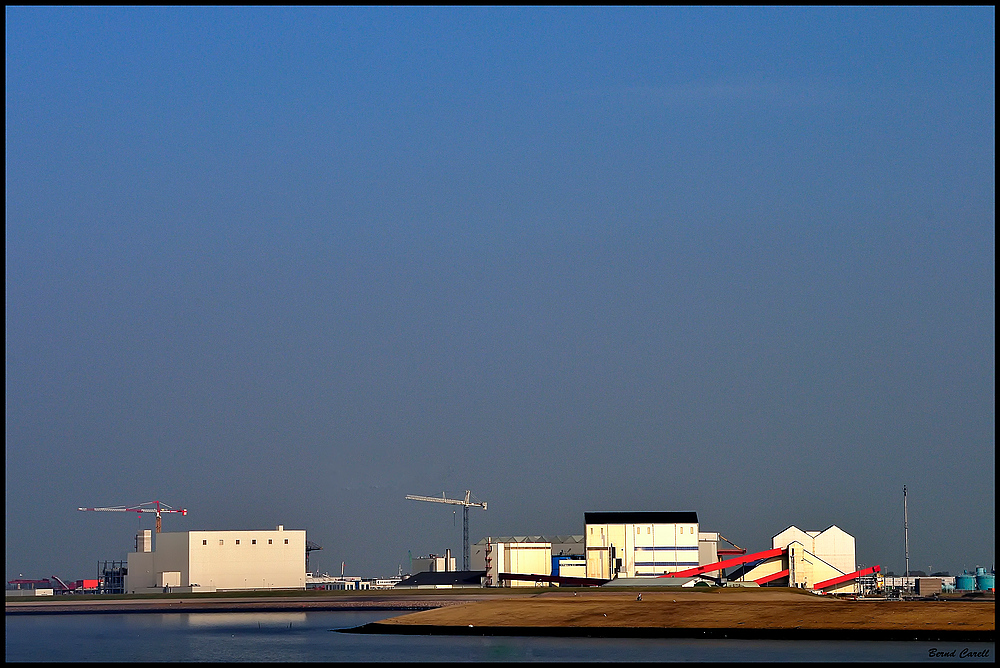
<point x="286" y="266"/>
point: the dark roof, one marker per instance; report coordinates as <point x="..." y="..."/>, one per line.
<point x="466" y="578"/>
<point x="641" y="517"/>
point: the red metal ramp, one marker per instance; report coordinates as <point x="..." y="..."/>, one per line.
<point x="727" y="563"/>
<point x="841" y="579"/>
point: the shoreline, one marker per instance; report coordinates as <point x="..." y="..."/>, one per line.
<point x="731" y="633"/>
<point x="775" y="614"/>
<point x="389" y="603"/>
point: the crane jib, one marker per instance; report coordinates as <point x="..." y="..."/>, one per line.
<point x="466" y="503"/>
<point x="149" y="507"/>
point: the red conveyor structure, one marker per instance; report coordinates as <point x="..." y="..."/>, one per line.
<point x="768" y="554"/>
<point x="772" y="577"/>
<point x="728" y="563"/>
<point x="841" y="579"/>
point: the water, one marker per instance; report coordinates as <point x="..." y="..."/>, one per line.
<point x="307" y="636"/>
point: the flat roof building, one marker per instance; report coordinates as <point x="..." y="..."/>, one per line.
<point x="640" y="543"/>
<point x="218" y="560"/>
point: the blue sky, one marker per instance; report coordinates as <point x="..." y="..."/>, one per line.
<point x="285" y="266"/>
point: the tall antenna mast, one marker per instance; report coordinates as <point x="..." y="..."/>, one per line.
<point x="906" y="540"/>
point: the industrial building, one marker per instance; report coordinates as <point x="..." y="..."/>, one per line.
<point x="432" y="563"/>
<point x="667" y="548"/>
<point x="806" y="559"/>
<point x="615" y="545"/>
<point x="218" y="560"/>
<point x="641" y="543"/>
<point x="822" y="561"/>
<point x="527" y="555"/>
<point x="616" y="548"/>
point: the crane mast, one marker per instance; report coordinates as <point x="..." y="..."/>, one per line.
<point x="466" y="503"/>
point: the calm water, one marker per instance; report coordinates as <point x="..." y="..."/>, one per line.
<point x="308" y="636"/>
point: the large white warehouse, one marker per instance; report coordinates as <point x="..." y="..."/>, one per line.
<point x="640" y="543"/>
<point x="216" y="560"/>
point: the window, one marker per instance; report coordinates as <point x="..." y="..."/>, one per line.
<point x="222" y="542"/>
<point x="253" y="542"/>
<point x="269" y="541"/>
<point x="286" y="541"/>
<point x="649" y="529"/>
<point x="237" y="541"/>
<point x="204" y="542"/>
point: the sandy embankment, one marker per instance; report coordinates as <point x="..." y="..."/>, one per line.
<point x="729" y="613"/>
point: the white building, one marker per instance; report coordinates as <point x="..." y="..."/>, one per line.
<point x="336" y="583"/>
<point x="529" y="555"/>
<point x="810" y="558"/>
<point x="218" y="560"/>
<point x="833" y="545"/>
<point x="640" y="543"/>
<point x="512" y="556"/>
<point x="432" y="563"/>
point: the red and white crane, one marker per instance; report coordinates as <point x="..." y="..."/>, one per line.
<point x="148" y="507"/>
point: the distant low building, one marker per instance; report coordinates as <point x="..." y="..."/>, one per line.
<point x="433" y="563"/>
<point x="385" y="583"/>
<point x="336" y="583"/>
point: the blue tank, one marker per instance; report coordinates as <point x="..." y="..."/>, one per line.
<point x="984" y="580"/>
<point x="965" y="582"/>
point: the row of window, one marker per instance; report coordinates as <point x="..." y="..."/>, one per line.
<point x="252" y="541"/>
<point x="665" y="563"/>
<point x="680" y="530"/>
<point x="664" y="548"/>
<point x="649" y="530"/>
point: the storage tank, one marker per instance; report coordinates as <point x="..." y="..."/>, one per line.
<point x="984" y="580"/>
<point x="965" y="582"/>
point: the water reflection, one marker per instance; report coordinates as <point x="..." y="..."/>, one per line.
<point x="307" y="637"/>
<point x="264" y="620"/>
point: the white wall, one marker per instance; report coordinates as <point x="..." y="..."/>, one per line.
<point x="833" y="545"/>
<point x="221" y="560"/>
<point x="527" y="558"/>
<point x="836" y="547"/>
<point x="432" y="564"/>
<point x="247" y="559"/>
<point x="646" y="550"/>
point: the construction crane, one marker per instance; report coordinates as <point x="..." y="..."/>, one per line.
<point x="466" y="504"/>
<point x="148" y="507"/>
